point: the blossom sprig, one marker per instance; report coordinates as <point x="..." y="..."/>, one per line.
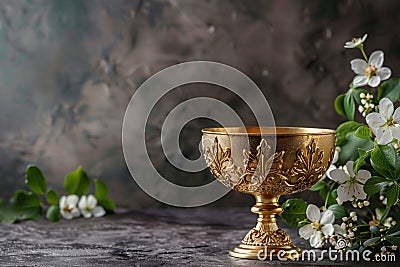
<point x="31" y="205"/>
<point x="362" y="187"/>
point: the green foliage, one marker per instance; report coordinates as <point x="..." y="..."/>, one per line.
<point x="349" y="105"/>
<point x="339" y="105"/>
<point x="35" y="179"/>
<point x="363" y="132"/>
<point x="24" y="205"/>
<point x="77" y="182"/>
<point x="375" y="185"/>
<point x="338" y="210"/>
<point x="52" y="197"/>
<point x="384" y="160"/>
<point x="294" y="211"/>
<point x="53" y="213"/>
<point x="390" y="89"/>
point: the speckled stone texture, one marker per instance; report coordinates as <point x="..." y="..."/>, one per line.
<point x="155" y="237"/>
<point x="69" y="68"/>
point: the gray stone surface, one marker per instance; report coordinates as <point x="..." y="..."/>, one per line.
<point x="169" y="237"/>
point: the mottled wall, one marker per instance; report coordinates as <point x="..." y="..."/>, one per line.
<point x="69" y="68"/>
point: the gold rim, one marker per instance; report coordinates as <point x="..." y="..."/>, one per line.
<point x="253" y="130"/>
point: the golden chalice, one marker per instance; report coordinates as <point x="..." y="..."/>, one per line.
<point x="244" y="159"/>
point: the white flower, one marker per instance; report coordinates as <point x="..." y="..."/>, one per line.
<point x="321" y="225"/>
<point x="355" y="42"/>
<point x="351" y="184"/>
<point x="68" y="207"/>
<point x="335" y="159"/>
<point x="88" y="207"/>
<point x="385" y="124"/>
<point x="371" y="73"/>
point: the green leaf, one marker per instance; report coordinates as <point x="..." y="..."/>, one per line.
<point x="52" y="197"/>
<point x="362" y="156"/>
<point x="29" y="214"/>
<point x="349" y="105"/>
<point x="318" y="186"/>
<point x="53" y="213"/>
<point x="344" y="129"/>
<point x="339" y="105"/>
<point x="390" y="89"/>
<point x="375" y="230"/>
<point x="392" y="195"/>
<point x="24" y="200"/>
<point x="394" y="240"/>
<point x="107" y="203"/>
<point x="294" y="211"/>
<point x="349" y="151"/>
<point x="101" y="189"/>
<point x="374" y="185"/>
<point x="7" y="215"/>
<point x="77" y="182"/>
<point x="338" y="210"/>
<point x="394" y="230"/>
<point x="384" y="159"/>
<point x="369" y="242"/>
<point x="35" y="180"/>
<point x="363" y="132"/>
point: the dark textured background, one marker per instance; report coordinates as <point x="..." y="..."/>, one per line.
<point x="69" y="68"/>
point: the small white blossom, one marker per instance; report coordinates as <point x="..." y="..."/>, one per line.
<point x="366" y="203"/>
<point x="355" y="42"/>
<point x="385" y="124"/>
<point x="383" y="249"/>
<point x="88" y="207"/>
<point x="393" y="247"/>
<point x="371" y="73"/>
<point x="68" y="207"/>
<point x="351" y="184"/>
<point x="333" y="166"/>
<point x="320" y="226"/>
<point x="352" y="214"/>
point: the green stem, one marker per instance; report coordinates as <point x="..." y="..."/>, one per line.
<point x="363" y="52"/>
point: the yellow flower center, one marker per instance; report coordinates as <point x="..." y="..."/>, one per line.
<point x="316" y="225"/>
<point x="67" y="208"/>
<point x="370" y="71"/>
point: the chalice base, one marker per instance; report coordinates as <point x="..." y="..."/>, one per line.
<point x="266" y="241"/>
<point x="265" y="253"/>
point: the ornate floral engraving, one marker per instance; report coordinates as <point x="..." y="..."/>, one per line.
<point x="308" y="167"/>
<point x="220" y="163"/>
<point x="258" y="167"/>
<point x="267" y="235"/>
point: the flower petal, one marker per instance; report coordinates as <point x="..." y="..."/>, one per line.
<point x="396" y="115"/>
<point x="360" y="80"/>
<point x="315" y="240"/>
<point x="63" y="202"/>
<point x="374" y="81"/>
<point x="349" y="167"/>
<point x="383" y="136"/>
<point x="338" y="175"/>
<point x="384" y="73"/>
<point x="328" y="229"/>
<point x="363" y="176"/>
<point x="386" y="108"/>
<point x="327" y="217"/>
<point x="364" y="38"/>
<point x="343" y="192"/>
<point x="85" y="213"/>
<point x="349" y="45"/>
<point x="66" y="215"/>
<point x="396" y="132"/>
<point x="82" y="203"/>
<point x="375" y="120"/>
<point x="358" y="190"/>
<point x="75" y="212"/>
<point x="72" y="200"/>
<point x="328" y="172"/>
<point x="313" y="213"/>
<point x="92" y="201"/>
<point x="376" y="59"/>
<point x="359" y="66"/>
<point x="98" y="211"/>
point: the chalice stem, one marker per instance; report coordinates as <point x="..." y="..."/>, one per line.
<point x="266" y="237"/>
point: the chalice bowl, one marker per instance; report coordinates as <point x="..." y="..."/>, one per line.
<point x="268" y="162"/>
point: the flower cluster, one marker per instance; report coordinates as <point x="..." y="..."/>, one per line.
<point x="87" y="207"/>
<point x="366" y="104"/>
<point x="360" y="191"/>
